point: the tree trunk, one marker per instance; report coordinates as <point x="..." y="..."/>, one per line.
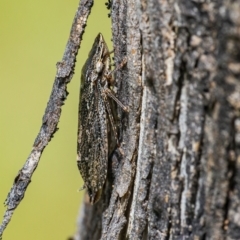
<point x="176" y="174"/>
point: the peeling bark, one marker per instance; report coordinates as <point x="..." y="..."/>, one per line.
<point x="176" y="175"/>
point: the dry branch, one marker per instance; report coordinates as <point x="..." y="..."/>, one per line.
<point x="65" y="71"/>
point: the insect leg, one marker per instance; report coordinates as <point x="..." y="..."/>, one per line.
<point x="106" y="55"/>
<point x="121" y="65"/>
<point x="111" y="95"/>
<point x="82" y="188"/>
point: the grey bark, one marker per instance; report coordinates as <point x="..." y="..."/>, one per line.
<point x="176" y="174"/>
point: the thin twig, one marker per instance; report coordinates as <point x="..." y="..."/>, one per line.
<point x="65" y="71"/>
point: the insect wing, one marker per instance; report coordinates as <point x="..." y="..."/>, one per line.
<point x="92" y="142"/>
<point x="92" y="133"/>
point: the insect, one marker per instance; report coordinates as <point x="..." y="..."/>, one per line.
<point x="94" y="115"/>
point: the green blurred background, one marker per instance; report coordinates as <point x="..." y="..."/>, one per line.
<point x="33" y="35"/>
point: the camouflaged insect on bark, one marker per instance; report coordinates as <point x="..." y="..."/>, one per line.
<point x="92" y="148"/>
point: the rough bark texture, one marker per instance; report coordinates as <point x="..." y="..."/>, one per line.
<point x="177" y="173"/>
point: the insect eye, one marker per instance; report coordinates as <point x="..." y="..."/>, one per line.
<point x="99" y="66"/>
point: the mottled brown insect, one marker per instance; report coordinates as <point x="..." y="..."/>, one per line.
<point x="94" y="112"/>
